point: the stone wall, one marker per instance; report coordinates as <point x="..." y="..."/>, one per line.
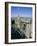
<point x="24" y="26"/>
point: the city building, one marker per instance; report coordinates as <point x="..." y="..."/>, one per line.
<point x="24" y="24"/>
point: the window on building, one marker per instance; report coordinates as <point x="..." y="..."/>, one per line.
<point x="24" y="26"/>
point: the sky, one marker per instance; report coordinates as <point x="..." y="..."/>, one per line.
<point x="21" y="11"/>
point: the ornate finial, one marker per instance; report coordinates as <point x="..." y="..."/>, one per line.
<point x="18" y="16"/>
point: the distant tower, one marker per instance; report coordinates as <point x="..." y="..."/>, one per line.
<point x="18" y="19"/>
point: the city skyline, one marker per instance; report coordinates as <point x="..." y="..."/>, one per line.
<point x="21" y="11"/>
